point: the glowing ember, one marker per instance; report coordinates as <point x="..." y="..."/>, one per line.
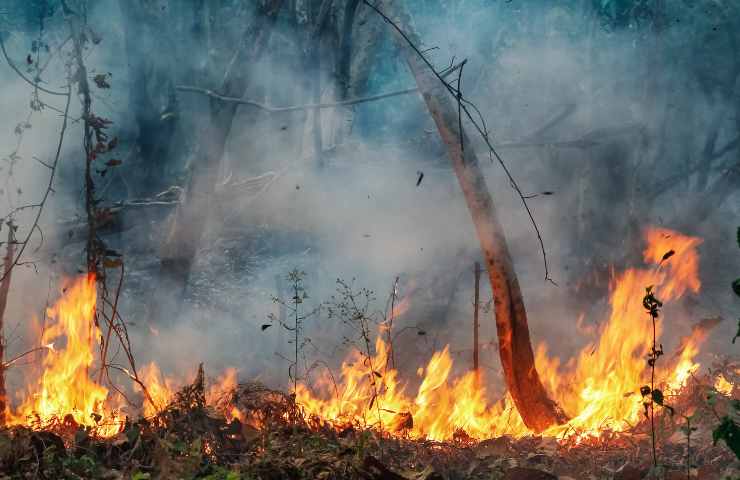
<point x="64" y="390"/>
<point x="599" y="388"/>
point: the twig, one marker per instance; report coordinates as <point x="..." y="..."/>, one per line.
<point x="273" y="109"/>
<point x="15" y="359"/>
<point x="479" y="125"/>
<point x="40" y="205"/>
<point x="20" y="74"/>
<point x="111" y="325"/>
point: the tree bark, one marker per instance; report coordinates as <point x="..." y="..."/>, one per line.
<point x="4" y="290"/>
<point x="188" y="225"/>
<point x="537" y="410"/>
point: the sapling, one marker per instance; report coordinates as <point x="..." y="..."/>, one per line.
<point x="297" y="316"/>
<point x="688" y="430"/>
<point x="353" y="308"/>
<point x="651" y="395"/>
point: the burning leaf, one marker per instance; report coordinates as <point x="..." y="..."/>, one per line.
<point x="668" y="255"/>
<point x="421" y="177"/>
<point x="266" y="326"/>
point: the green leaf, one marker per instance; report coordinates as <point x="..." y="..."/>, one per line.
<point x="730" y="433"/>
<point x="141" y="476"/>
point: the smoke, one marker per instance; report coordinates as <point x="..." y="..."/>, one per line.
<point x="363" y="216"/>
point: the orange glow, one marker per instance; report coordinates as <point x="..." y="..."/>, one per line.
<point x="161" y="390"/>
<point x="64" y="391"/>
<point x="64" y="394"/>
<point x="598" y="389"/>
<point x="723" y="386"/>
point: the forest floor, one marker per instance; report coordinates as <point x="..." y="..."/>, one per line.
<point x="190" y="440"/>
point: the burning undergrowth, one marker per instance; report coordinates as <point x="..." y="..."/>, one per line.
<point x="366" y="422"/>
<point x="272" y="438"/>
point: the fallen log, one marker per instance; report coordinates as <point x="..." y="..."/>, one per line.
<point x="537" y="410"/>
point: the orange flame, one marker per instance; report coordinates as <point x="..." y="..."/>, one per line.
<point x="162" y="390"/>
<point x="64" y="390"/>
<point x="64" y="393"/>
<point x="598" y="389"/>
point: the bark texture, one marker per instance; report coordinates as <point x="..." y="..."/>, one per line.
<point x="537" y="410"/>
<point x="4" y="290"/>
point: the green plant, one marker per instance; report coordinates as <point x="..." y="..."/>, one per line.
<point x="298" y="315"/>
<point x="652" y="396"/>
<point x="728" y="429"/>
<point x="688" y="430"/>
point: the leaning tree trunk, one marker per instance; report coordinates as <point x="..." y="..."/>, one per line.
<point x="517" y="358"/>
<point x="188" y="225"/>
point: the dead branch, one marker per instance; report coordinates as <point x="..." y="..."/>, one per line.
<point x="273" y="109"/>
<point x="34" y="84"/>
<point x="39" y="206"/>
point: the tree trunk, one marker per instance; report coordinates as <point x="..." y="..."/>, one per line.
<point x="360" y="48"/>
<point x="4" y="290"/>
<point x="151" y="94"/>
<point x="517" y="358"/>
<point x="188" y="225"/>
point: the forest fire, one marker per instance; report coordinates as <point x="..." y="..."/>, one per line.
<point x="599" y="388"/>
<point x="64" y="392"/>
<point x="420" y="230"/>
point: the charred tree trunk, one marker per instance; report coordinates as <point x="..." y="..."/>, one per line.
<point x="4" y="290"/>
<point x="188" y="225"/>
<point x="517" y="358"/>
